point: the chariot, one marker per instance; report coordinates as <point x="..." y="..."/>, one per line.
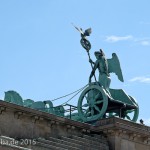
<point x="96" y="103"/>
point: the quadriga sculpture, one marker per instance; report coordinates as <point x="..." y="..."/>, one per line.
<point x="46" y="106"/>
<point x="98" y="100"/>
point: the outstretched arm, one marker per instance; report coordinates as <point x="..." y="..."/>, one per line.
<point x="91" y="61"/>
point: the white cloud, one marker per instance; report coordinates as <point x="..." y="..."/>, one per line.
<point x="142" y="41"/>
<point x="114" y="38"/>
<point x="145" y="43"/>
<point x="140" y="79"/>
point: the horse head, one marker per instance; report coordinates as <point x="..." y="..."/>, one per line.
<point x="13" y="97"/>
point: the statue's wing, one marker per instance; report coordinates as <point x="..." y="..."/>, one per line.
<point x="114" y="66"/>
<point x="79" y="29"/>
<point x="88" y="32"/>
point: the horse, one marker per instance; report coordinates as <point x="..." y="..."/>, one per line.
<point x="14" y="97"/>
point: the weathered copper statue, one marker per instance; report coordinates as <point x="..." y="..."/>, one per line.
<point x="102" y="65"/>
<point x="98" y="100"/>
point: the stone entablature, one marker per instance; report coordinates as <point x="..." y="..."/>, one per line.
<point x="22" y="122"/>
<point x="125" y="135"/>
<point x="125" y="129"/>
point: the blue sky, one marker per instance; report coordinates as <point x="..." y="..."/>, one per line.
<point x="41" y="57"/>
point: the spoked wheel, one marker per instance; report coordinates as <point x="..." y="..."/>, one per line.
<point x="92" y="103"/>
<point x="131" y="115"/>
<point x="85" y="44"/>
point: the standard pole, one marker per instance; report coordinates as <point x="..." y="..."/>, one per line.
<point x="91" y="65"/>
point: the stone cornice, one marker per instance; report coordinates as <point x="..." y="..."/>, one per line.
<point x="110" y="126"/>
<point x="125" y="129"/>
<point x="117" y="123"/>
<point x="35" y="115"/>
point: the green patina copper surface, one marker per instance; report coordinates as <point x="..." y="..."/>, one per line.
<point x="84" y="42"/>
<point x="59" y="110"/>
<point x="13" y="97"/>
<point x="98" y="100"/>
<point x="46" y="106"/>
<point x="90" y="100"/>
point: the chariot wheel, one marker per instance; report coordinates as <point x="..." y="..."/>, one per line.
<point x="85" y="44"/>
<point x="92" y="103"/>
<point x="131" y="115"/>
